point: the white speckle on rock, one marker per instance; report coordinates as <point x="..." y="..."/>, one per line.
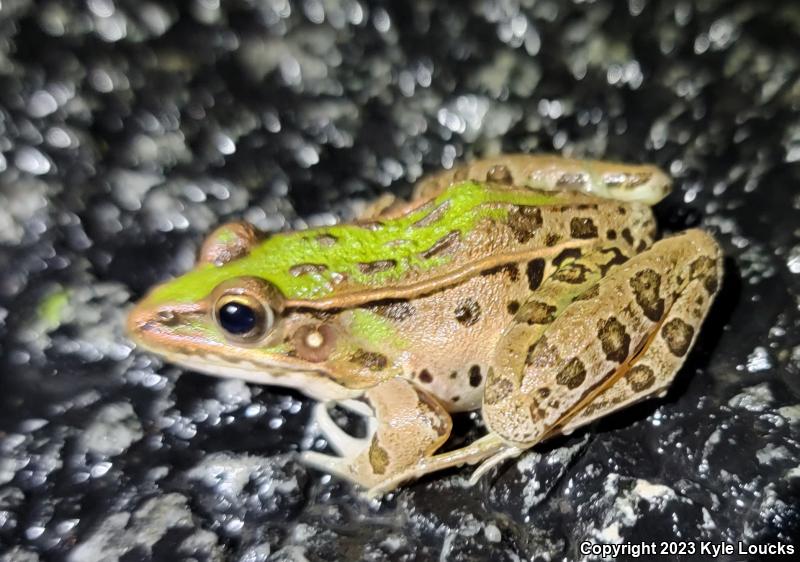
<point x="754" y="398"/>
<point x="759" y="360"/>
<point x="653" y="492"/>
<point x="19" y="554"/>
<point x="533" y="494"/>
<point x="302" y="533"/>
<point x="31" y="160"/>
<point x="708" y="522"/>
<point x="492" y="533"/>
<point x="393" y="543"/>
<point x="771" y="453"/>
<point x="120" y="533"/>
<point x="234" y="392"/>
<point x="790" y="413"/>
<point x="41" y="104"/>
<point x="113" y="430"/>
<point x="793" y="260"/>
<point x="228" y="474"/>
<point x="292" y="553"/>
<point x="469" y="526"/>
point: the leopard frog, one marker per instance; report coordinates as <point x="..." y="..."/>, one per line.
<point x="529" y="287"/>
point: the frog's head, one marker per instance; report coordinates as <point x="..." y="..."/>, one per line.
<point x="220" y="320"/>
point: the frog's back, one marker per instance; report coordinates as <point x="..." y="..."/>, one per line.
<point x="468" y="228"/>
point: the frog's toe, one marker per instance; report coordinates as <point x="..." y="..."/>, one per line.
<point x="337" y="466"/>
<point x="340" y="441"/>
<point x="500" y="457"/>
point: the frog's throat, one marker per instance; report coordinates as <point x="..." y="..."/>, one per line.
<point x="317" y="384"/>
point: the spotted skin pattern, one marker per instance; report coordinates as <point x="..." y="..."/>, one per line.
<point x="628" y="354"/>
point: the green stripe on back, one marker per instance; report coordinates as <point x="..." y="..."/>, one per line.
<point x="397" y="239"/>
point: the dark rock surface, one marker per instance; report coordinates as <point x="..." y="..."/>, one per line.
<point x="128" y="129"/>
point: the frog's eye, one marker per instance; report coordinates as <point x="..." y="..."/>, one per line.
<point x="242" y="311"/>
<point x="243" y="317"/>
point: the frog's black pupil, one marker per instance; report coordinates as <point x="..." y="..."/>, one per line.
<point x="237" y="318"/>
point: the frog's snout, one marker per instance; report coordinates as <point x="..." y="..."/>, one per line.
<point x="141" y="323"/>
<point x="153" y="327"/>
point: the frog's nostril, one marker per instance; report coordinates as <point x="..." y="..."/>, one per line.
<point x="138" y="321"/>
<point x="166" y="316"/>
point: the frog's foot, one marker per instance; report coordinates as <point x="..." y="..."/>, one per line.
<point x="340" y="441"/>
<point x="509" y="452"/>
<point x="490" y="449"/>
<point x="345" y="445"/>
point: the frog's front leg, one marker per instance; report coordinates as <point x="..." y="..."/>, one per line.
<point x="620" y="341"/>
<point x="408" y="425"/>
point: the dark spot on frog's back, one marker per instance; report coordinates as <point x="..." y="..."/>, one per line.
<point x="571" y="179"/>
<point x="537" y="413"/>
<point x="582" y="228"/>
<point x="614" y="339"/>
<point x="398" y="310"/>
<point x="535" y="312"/>
<point x="616" y="257"/>
<point x="499" y="174"/>
<point x="646" y="285"/>
<point x="640" y="378"/>
<point x="551" y="239"/>
<point x="442" y="245"/>
<point x="572" y="375"/>
<point x="573" y="274"/>
<point x="326" y="240"/>
<point x="368" y="268"/>
<point x="678" y="336"/>
<point x="524" y="221"/>
<point x="705" y="268"/>
<point x="369" y="360"/>
<point x="535" y="273"/>
<point x="307" y="268"/>
<point x="468" y="312"/>
<point x="475" y="377"/>
<point x="378" y="457"/>
<point x="425" y="376"/>
<point x="434" y="216"/>
<point x="511" y="269"/>
<point x="566" y="254"/>
<point x="627" y="236"/>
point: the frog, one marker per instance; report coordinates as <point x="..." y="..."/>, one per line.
<point x="531" y="288"/>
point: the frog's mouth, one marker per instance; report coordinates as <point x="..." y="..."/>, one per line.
<point x="183" y="335"/>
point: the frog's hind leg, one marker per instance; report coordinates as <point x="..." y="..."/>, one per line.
<point x="636" y="325"/>
<point x="650" y="372"/>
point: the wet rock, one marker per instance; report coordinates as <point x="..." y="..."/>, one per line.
<point x="129" y="130"/>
